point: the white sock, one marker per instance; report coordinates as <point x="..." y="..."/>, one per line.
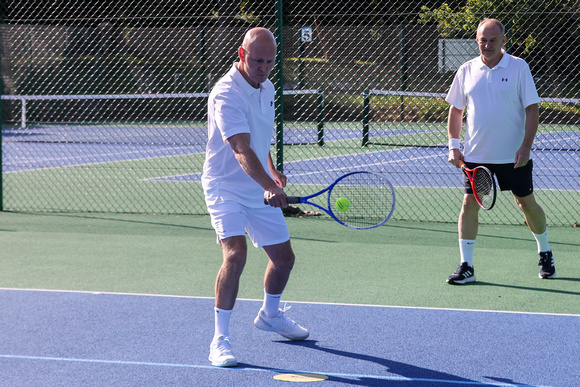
<point x="542" y="240"/>
<point x="271" y="304"/>
<point x="222" y="322"/>
<point x="466" y="247"/>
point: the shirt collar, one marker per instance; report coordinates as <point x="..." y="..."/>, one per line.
<point x="503" y="62"/>
<point x="505" y="59"/>
<point x="241" y="81"/>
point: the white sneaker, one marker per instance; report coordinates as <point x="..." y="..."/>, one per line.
<point x="281" y="325"/>
<point x="220" y="353"/>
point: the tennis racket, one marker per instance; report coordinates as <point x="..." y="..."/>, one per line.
<point x="482" y="184"/>
<point x="360" y="200"/>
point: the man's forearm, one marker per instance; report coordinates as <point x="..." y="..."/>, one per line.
<point x="253" y="168"/>
<point x="454" y="122"/>
<point x="531" y="128"/>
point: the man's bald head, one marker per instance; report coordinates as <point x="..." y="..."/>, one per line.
<point x="258" y="35"/>
<point x="257" y="55"/>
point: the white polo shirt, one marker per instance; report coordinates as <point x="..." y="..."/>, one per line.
<point x="495" y="100"/>
<point x="234" y="107"/>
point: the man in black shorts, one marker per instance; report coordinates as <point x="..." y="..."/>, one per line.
<point x="498" y="92"/>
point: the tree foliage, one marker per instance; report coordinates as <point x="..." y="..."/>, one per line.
<point x="526" y="20"/>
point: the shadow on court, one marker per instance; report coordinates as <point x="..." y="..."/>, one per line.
<point x="543" y="290"/>
<point x="95" y="339"/>
<point x="406" y="372"/>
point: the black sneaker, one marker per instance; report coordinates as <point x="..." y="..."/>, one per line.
<point x="462" y="275"/>
<point x="547" y="268"/>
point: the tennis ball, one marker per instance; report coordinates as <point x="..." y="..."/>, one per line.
<point x="343" y="204"/>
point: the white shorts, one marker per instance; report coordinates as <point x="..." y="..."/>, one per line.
<point x="265" y="226"/>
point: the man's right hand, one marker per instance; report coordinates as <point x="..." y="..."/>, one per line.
<point x="454" y="156"/>
<point x="275" y="197"/>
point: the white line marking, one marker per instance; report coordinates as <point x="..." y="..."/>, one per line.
<point x="290" y="302"/>
<point x="238" y="369"/>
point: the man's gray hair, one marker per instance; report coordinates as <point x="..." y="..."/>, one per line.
<point x="493" y="21"/>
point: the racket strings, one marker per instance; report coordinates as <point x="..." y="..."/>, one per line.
<point x="483" y="182"/>
<point x="370" y="197"/>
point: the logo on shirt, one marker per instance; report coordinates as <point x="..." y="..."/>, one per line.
<point x="271" y="103"/>
<point x="504" y="80"/>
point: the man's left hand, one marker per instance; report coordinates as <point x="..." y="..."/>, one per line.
<point x="522" y="157"/>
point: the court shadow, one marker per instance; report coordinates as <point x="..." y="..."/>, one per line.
<point x="136" y="221"/>
<point x="508" y="382"/>
<point x="480" y="234"/>
<point x="404" y="373"/>
<point x="558" y="291"/>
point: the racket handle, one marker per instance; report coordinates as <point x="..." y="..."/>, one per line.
<point x="293" y="199"/>
<point x="289" y="200"/>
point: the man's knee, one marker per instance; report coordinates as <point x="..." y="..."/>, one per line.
<point x="527" y="204"/>
<point x="234" y="250"/>
<point x="282" y="256"/>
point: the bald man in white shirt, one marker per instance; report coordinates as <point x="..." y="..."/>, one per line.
<point x="238" y="177"/>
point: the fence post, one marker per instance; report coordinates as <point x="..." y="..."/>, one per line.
<point x="366" y="111"/>
<point x="403" y="56"/>
<point x="1" y="136"/>
<point x="320" y="118"/>
<point x="279" y="89"/>
<point x="205" y="79"/>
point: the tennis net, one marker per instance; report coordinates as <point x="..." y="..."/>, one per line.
<point x="418" y="119"/>
<point x="165" y="119"/>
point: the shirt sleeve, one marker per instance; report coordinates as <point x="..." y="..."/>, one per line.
<point x="456" y="95"/>
<point x="529" y="93"/>
<point x="230" y="116"/>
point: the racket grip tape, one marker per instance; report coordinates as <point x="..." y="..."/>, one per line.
<point x="289" y="200"/>
<point x="292" y="199"/>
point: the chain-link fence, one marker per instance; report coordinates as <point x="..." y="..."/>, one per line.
<point x="104" y="103"/>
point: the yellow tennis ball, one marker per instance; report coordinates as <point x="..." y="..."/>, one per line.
<point x="343" y="204"/>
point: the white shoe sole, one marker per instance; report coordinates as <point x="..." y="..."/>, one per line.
<point x="548" y="276"/>
<point x="227" y="362"/>
<point x="263" y="325"/>
<point x="465" y="281"/>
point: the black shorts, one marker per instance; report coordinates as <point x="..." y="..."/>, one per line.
<point x="518" y="180"/>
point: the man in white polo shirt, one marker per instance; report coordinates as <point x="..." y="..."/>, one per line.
<point x="501" y="100"/>
<point x="238" y="175"/>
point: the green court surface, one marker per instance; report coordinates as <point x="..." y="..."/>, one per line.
<point x="402" y="263"/>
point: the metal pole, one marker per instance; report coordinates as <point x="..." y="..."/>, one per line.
<point x="205" y="77"/>
<point x="403" y="69"/>
<point x="366" y="112"/>
<point x="320" y="118"/>
<point x="279" y="90"/>
<point x="23" y="114"/>
<point x="299" y="70"/>
<point x="1" y="137"/>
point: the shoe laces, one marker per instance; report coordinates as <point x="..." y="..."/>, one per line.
<point x="546" y="259"/>
<point x="222" y="343"/>
<point x="285" y="319"/>
<point x="464" y="266"/>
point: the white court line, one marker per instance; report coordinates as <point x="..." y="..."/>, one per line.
<point x="288" y="301"/>
<point x="252" y="369"/>
<point x="85" y="164"/>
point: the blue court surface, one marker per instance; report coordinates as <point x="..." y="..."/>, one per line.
<point x="53" y="338"/>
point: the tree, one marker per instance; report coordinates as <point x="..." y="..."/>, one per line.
<point x="534" y="27"/>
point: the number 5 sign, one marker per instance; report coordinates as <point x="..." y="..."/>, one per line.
<point x="306" y="34"/>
